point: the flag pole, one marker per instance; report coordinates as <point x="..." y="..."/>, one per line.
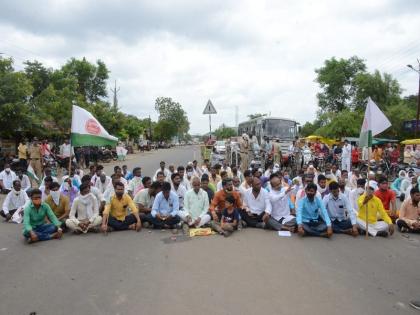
<point x="367" y="187"/>
<point x="70" y="137"/>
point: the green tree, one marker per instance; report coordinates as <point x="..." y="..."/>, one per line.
<point x="384" y="90"/>
<point x="173" y="114"/>
<point x="91" y="78"/>
<point x="224" y="132"/>
<point x="39" y="76"/>
<point x="164" y="130"/>
<point x="336" y="79"/>
<point x="15" y="90"/>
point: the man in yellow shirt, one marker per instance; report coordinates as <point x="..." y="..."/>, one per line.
<point x="375" y="209"/>
<point x="23" y="155"/>
<point x="116" y="215"/>
<point x="59" y="204"/>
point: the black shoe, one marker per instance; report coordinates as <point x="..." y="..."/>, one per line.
<point x="382" y="234"/>
<point x="415" y="304"/>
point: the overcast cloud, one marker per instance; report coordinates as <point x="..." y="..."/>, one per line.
<point x="258" y="56"/>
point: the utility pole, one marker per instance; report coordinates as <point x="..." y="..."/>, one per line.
<point x="115" y="98"/>
<point x="150" y="129"/>
<point x="418" y="98"/>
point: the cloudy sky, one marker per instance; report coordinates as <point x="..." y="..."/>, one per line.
<point x="257" y="56"/>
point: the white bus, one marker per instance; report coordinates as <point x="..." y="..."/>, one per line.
<point x="274" y="128"/>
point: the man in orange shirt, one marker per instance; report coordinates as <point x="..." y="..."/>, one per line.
<point x="387" y="197"/>
<point x="218" y="203"/>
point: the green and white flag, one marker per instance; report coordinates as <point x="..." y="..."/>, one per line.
<point x="374" y="123"/>
<point x="31" y="173"/>
<point x="87" y="131"/>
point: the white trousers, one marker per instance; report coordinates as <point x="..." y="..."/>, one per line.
<point x="374" y="228"/>
<point x="204" y="218"/>
<point x="73" y="224"/>
<point x="346" y="164"/>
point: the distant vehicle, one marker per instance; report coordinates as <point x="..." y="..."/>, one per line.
<point x="274" y="128"/>
<point x="220" y="147"/>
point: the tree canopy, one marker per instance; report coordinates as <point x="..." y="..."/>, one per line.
<point x="345" y="85"/>
<point x="38" y="101"/>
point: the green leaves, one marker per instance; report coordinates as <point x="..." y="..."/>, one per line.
<point x="345" y="85"/>
<point x="173" y="120"/>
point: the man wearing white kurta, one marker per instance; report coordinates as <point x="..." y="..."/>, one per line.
<point x="196" y="206"/>
<point x="14" y="203"/>
<point x="84" y="213"/>
<point x="346" y="156"/>
<point x="280" y="217"/>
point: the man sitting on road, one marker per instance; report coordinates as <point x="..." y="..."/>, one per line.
<point x="96" y="192"/>
<point x="178" y="188"/>
<point x="311" y="216"/>
<point x="223" y="175"/>
<point x="247" y="184"/>
<point x="257" y="206"/>
<point x="356" y="193"/>
<point x="196" y="206"/>
<point x="160" y="177"/>
<point x="205" y="186"/>
<point x="102" y="183"/>
<point x="408" y="220"/>
<point x="307" y="179"/>
<point x="84" y="215"/>
<point x="340" y="211"/>
<point x="25" y="182"/>
<point x="322" y="186"/>
<point x="371" y="204"/>
<point x="144" y="200"/>
<point x="280" y="216"/>
<point x="116" y="214"/>
<point x="218" y="203"/>
<point x="35" y="214"/>
<point x="7" y="176"/>
<point x="59" y="204"/>
<point x="136" y="183"/>
<point x="165" y="209"/>
<point x="162" y="169"/>
<point x="388" y="198"/>
<point x="184" y="181"/>
<point x="14" y="203"/>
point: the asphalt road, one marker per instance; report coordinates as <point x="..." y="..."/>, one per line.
<point x="252" y="272"/>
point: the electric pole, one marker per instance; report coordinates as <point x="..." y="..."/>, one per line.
<point x="115" y="97"/>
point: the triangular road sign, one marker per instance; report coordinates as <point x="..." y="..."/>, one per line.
<point x="209" y="109"/>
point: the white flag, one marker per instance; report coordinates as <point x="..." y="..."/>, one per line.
<point x="87" y="131"/>
<point x="374" y="123"/>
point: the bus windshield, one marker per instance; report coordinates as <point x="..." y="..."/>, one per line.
<point x="276" y="128"/>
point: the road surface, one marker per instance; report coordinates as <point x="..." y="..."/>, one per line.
<point x="251" y="272"/>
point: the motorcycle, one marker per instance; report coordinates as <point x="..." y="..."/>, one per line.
<point x="307" y="156"/>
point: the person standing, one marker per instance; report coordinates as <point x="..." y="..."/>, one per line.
<point x="277" y="152"/>
<point x="346" y="156"/>
<point x="66" y="150"/>
<point x="244" y="148"/>
<point x="35" y="157"/>
<point x="23" y="155"/>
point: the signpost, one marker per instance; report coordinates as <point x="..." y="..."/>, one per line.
<point x="209" y="109"/>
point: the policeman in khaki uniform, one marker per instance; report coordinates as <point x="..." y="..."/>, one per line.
<point x="35" y="157"/>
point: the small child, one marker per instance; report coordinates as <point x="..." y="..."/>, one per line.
<point x="230" y="217"/>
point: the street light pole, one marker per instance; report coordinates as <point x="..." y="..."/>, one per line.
<point x="418" y="99"/>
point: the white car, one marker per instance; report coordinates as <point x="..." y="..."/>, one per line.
<point x="220" y="147"/>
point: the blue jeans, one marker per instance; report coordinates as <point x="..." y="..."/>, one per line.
<point x="315" y="228"/>
<point x="340" y="226"/>
<point x="43" y="232"/>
